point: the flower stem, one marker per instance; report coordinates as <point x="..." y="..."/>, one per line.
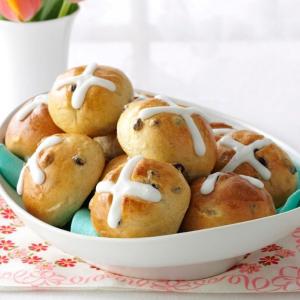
<point x="64" y="8"/>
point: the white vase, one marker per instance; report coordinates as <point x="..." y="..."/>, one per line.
<point x="31" y="56"/>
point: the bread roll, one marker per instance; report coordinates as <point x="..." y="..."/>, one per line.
<point x="89" y="99"/>
<point x="159" y="129"/>
<point x="226" y="198"/>
<point x="110" y="146"/>
<point x="140" y="198"/>
<point x="28" y="126"/>
<point x="261" y="159"/>
<point x="59" y="176"/>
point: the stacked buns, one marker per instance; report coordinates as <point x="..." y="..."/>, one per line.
<point x="147" y="165"/>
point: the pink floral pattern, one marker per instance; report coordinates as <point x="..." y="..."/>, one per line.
<point x="38" y="247"/>
<point x="28" y="262"/>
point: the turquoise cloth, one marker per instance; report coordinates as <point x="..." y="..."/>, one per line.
<point x="81" y="223"/>
<point x="293" y="200"/>
<point x="10" y="166"/>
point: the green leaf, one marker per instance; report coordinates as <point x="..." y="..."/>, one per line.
<point x="50" y="10"/>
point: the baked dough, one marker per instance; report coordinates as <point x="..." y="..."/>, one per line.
<point x="71" y="165"/>
<point x="95" y="110"/>
<point x="25" y="132"/>
<point x="283" y="174"/>
<point x="140" y="216"/>
<point x="166" y="137"/>
<point x="234" y="199"/>
<point x="114" y="163"/>
<point x="219" y="129"/>
<point x="110" y="145"/>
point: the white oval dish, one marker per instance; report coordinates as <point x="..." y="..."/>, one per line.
<point x="182" y="256"/>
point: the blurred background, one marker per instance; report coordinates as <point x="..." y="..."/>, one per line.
<point x="240" y="57"/>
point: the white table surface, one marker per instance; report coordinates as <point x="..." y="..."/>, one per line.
<point x="255" y="80"/>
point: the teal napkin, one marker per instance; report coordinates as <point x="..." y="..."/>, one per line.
<point x="10" y="166"/>
<point x="81" y="223"/>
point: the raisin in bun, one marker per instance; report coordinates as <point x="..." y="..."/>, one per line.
<point x="226" y="198"/>
<point x="140" y="198"/>
<point x="59" y="176"/>
<point x="110" y="145"/>
<point x="161" y="130"/>
<point x="28" y="126"/>
<point x="262" y="159"/>
<point x="89" y="99"/>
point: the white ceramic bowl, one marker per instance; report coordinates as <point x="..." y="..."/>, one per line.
<point x="190" y="255"/>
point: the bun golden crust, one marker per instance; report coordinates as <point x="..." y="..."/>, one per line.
<point x="166" y="137"/>
<point x="72" y="169"/>
<point x="114" y="163"/>
<point x="101" y="109"/>
<point x="142" y="218"/>
<point x="110" y="145"/>
<point x="283" y="181"/>
<point x="23" y="136"/>
<point x="233" y="200"/>
<point x="219" y="125"/>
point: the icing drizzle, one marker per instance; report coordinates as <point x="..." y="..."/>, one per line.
<point x="209" y="184"/>
<point x="29" y="107"/>
<point x="126" y="187"/>
<point x="245" y="153"/>
<point x="38" y="176"/>
<point x="83" y="82"/>
<point x="221" y="131"/>
<point x="186" y="113"/>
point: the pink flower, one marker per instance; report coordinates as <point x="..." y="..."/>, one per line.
<point x="6" y="245"/>
<point x="3" y="259"/>
<point x="269" y="260"/>
<point x="45" y="267"/>
<point x="31" y="259"/>
<point x="18" y="253"/>
<point x="271" y="248"/>
<point x="19" y="10"/>
<point x="249" y="268"/>
<point x="38" y="247"/>
<point x="7" y="213"/>
<point x="7" y="229"/>
<point x="285" y="253"/>
<point x="66" y="262"/>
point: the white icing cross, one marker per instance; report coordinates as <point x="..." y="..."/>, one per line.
<point x="245" y="153"/>
<point x="83" y="82"/>
<point x="220" y="131"/>
<point x="186" y="113"/>
<point x="37" y="174"/>
<point x="209" y="184"/>
<point x="125" y="187"/>
<point x="31" y="106"/>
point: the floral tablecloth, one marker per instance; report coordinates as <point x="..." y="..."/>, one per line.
<point x="27" y="262"/>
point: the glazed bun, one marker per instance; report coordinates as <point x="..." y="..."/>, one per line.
<point x="89" y="99"/>
<point x="140" y="198"/>
<point x="114" y="163"/>
<point x="59" y="176"/>
<point x="226" y="198"/>
<point x="158" y="129"/>
<point x="219" y="129"/>
<point x="110" y="145"/>
<point x="262" y="159"/>
<point x="28" y="126"/>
